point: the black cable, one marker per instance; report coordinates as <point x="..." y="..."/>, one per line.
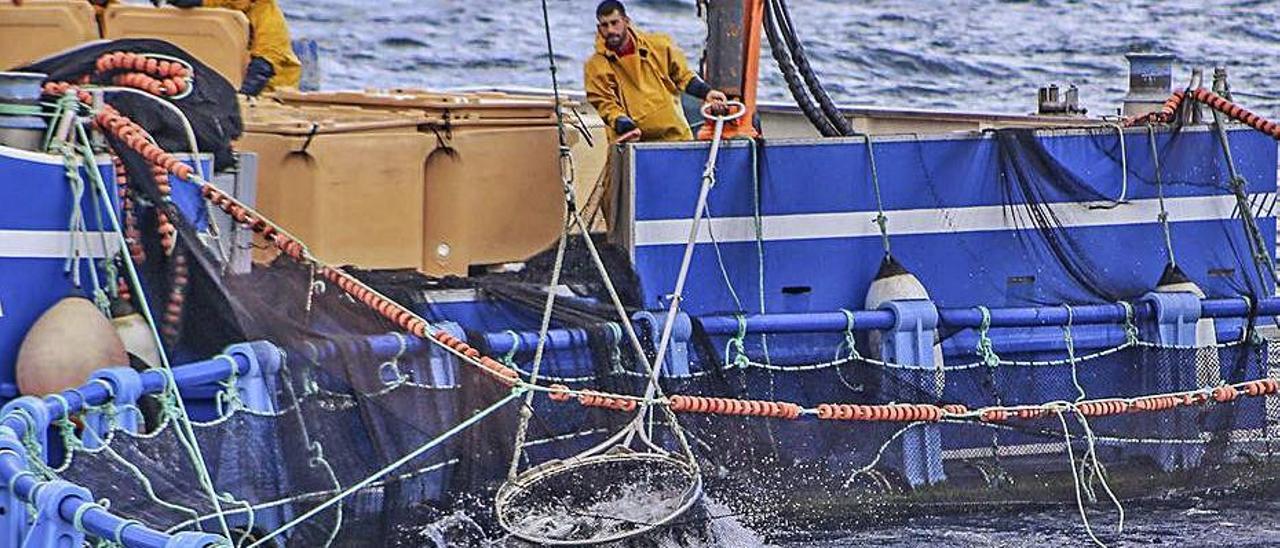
<point x="782" y="57"/>
<point x="801" y="60"/>
<point x="565" y="159"/>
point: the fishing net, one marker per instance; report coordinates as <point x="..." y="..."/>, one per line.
<point x="344" y="406"/>
<point x="376" y="434"/>
<point x="353" y="396"/>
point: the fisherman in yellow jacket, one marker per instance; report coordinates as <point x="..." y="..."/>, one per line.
<point x="634" y="78"/>
<point x="272" y="63"/>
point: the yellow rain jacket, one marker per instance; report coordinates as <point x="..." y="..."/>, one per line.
<point x="269" y="40"/>
<point x="644" y="86"/>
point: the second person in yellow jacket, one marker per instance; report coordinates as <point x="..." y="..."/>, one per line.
<point x="272" y="62"/>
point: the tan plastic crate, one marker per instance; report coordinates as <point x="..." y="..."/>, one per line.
<point x="217" y="37"/>
<point x="496" y="198"/>
<point x="492" y="188"/>
<point x="349" y="184"/>
<point x="40" y="28"/>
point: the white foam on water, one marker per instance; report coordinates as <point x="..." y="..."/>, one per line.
<point x="726" y="530"/>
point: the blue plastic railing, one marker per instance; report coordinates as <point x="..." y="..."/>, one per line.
<point x="95" y="520"/>
<point x="867" y="320"/>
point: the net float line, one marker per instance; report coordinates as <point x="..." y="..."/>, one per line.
<point x="1169" y="110"/>
<point x="1163" y="116"/>
<point x="153" y="74"/>
<point x="924" y="412"/>
<point x="1236" y="112"/>
<point x="132" y="236"/>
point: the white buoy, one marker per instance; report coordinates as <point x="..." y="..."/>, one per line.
<point x="138" y="338"/>
<point x="68" y="342"/>
<point x="893" y="282"/>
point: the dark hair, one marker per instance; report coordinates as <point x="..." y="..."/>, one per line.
<point x="609" y="6"/>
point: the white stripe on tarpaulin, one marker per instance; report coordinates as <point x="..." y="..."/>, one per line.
<point x="855" y="224"/>
<point x="54" y="244"/>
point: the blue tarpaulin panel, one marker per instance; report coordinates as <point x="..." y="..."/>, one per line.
<point x="35" y="243"/>
<point x="957" y="218"/>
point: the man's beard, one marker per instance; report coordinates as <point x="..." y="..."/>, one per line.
<point x="614" y="41"/>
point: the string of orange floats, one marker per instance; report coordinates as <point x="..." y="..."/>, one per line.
<point x="1216" y="102"/>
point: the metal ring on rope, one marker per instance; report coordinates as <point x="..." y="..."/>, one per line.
<point x="734" y="114"/>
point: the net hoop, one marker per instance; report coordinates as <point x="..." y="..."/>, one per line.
<point x="512" y="488"/>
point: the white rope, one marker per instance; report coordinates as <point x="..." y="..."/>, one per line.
<point x="526" y="410"/>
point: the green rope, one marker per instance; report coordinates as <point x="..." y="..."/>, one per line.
<point x="849" y="339"/>
<point x="75" y="221"/>
<point x="66" y="429"/>
<point x="1264" y="266"/>
<point x="107" y="263"/>
<point x="758" y="222"/>
<point x="986" y="349"/>
<point x="736" y="343"/>
<point x="9" y="109"/>
<point x="881" y="220"/>
<point x="1130" y="328"/>
<point x="435" y="442"/>
<point x="35" y="449"/>
<point x="229" y="395"/>
<point x="67" y="105"/>
<point x="510" y="357"/>
<point x="187" y="436"/>
<point x="1071" y="351"/>
<point x="77" y="519"/>
<point x="1163" y="217"/>
<point x="168" y="405"/>
<point x="615" y="353"/>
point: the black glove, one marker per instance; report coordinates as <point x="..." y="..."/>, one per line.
<point x="256" y="76"/>
<point x="623" y="125"/>
<point x="186" y="3"/>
